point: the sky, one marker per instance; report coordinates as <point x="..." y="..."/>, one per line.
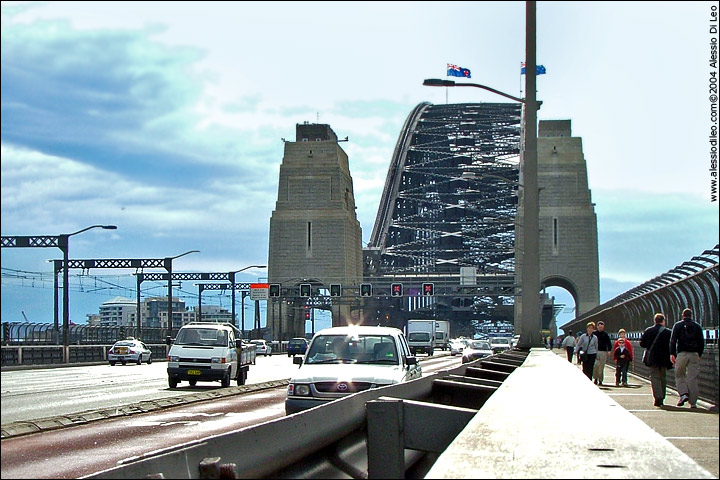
<point x="166" y="120"/>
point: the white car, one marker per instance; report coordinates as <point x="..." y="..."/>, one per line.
<point x="129" y="350"/>
<point x="499" y="344"/>
<point x="477" y="349"/>
<point x="262" y="347"/>
<point x="343" y="360"/>
<point x="514" y="341"/>
<point x="457" y="346"/>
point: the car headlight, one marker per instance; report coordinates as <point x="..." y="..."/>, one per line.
<point x="217" y="360"/>
<point x="174" y="358"/>
<point x="302" y="390"/>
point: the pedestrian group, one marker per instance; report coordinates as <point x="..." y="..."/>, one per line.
<point x="680" y="348"/>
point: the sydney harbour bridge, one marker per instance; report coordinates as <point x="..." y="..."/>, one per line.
<point x="449" y="206"/>
<point x="447" y="218"/>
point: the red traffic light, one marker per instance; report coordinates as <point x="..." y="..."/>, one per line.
<point x="396" y="290"/>
<point x="428" y="289"/>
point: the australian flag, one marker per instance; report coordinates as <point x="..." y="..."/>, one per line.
<point x="455" y="71"/>
<point x="539" y="69"/>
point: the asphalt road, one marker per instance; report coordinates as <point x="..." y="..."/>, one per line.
<point x="40" y="393"/>
<point x="84" y="449"/>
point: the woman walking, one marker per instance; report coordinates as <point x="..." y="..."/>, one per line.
<point x="586" y="349"/>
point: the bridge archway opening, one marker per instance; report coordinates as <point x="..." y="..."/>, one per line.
<point x="562" y="292"/>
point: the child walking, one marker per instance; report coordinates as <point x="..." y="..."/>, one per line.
<point x="623" y="357"/>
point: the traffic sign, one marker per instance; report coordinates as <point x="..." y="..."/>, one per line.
<point x="259" y="291"/>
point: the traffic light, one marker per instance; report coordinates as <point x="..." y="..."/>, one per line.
<point x="335" y="290"/>
<point x="396" y="290"/>
<point x="428" y="289"/>
<point x="307" y="312"/>
<point x="304" y="289"/>
<point x="366" y="290"/>
<point x="274" y="290"/>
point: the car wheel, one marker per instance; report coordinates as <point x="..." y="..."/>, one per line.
<point x="149" y="360"/>
<point x="139" y="360"/>
<point x="192" y="382"/>
<point x="124" y="362"/>
<point x="225" y="382"/>
<point x="172" y="382"/>
<point x="112" y="364"/>
<point x="289" y="354"/>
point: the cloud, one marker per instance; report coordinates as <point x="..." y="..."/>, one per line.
<point x="114" y="99"/>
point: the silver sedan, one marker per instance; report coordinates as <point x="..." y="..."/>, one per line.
<point x="129" y="350"/>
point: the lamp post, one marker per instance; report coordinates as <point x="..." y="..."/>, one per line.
<point x="168" y="266"/>
<point x="531" y="322"/>
<point x="231" y="277"/>
<point x="63" y="245"/>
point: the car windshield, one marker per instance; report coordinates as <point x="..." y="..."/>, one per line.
<point x="419" y="337"/>
<point x="505" y="341"/>
<point x="297" y="342"/>
<point x="209" y="337"/>
<point x="481" y="345"/>
<point x="378" y="349"/>
<point x="124" y="344"/>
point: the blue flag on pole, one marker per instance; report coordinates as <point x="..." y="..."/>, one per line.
<point x="539" y="69"/>
<point x="455" y="71"/>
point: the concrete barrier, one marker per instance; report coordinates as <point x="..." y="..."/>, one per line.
<point x="330" y="441"/>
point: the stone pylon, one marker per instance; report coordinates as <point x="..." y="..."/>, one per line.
<point x="315" y="236"/>
<point x="568" y="224"/>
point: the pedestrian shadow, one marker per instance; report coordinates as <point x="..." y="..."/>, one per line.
<point x="630" y="386"/>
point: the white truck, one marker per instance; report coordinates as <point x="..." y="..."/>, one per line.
<point x="442" y="334"/>
<point x="209" y="351"/>
<point x="421" y="335"/>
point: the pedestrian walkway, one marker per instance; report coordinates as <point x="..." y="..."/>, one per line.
<point x="548" y="420"/>
<point x="693" y="431"/>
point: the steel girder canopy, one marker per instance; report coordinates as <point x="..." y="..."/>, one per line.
<point x="450" y="197"/>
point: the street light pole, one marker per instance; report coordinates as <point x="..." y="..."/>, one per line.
<point x="231" y="277"/>
<point x="63" y="245"/>
<point x="530" y="334"/>
<point x="168" y="266"/>
<point x="531" y="322"/>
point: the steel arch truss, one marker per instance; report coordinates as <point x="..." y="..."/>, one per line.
<point x="450" y="197"/>
<point x="694" y="285"/>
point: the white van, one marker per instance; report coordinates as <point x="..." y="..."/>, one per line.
<point x="209" y="351"/>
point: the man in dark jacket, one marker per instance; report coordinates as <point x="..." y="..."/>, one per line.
<point x="686" y="349"/>
<point x="605" y="345"/>
<point x="659" y="356"/>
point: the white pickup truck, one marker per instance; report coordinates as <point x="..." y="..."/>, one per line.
<point x="209" y="351"/>
<point x="344" y="360"/>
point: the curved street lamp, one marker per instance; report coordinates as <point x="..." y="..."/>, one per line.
<point x="531" y="320"/>
<point x="63" y="245"/>
<point x="231" y="277"/>
<point x="168" y="266"/>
